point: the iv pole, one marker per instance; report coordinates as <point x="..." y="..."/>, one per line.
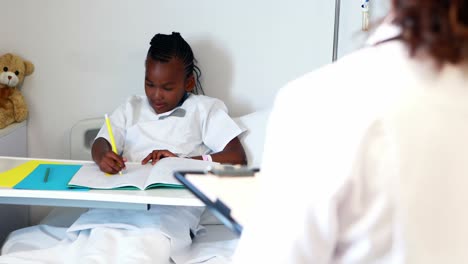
<point x="336" y="30"/>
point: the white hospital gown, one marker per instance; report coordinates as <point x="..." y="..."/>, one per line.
<point x="365" y="161"/>
<point x="201" y="125"/>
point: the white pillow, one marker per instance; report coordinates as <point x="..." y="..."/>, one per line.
<point x="254" y="136"/>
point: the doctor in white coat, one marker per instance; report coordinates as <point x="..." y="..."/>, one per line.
<point x="366" y="159"/>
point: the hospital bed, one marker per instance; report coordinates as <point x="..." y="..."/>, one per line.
<point x="214" y="244"/>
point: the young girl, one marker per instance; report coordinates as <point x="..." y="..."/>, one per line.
<point x="171" y="120"/>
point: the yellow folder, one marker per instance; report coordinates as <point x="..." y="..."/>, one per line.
<point x="13" y="176"/>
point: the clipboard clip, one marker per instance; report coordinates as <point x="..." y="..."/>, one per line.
<point x="232" y="170"/>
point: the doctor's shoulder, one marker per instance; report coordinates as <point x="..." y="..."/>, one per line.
<point x="349" y="74"/>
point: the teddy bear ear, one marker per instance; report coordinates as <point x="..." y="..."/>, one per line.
<point x="29" y="68"/>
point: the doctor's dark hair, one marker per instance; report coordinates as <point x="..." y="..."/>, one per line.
<point x="439" y="28"/>
<point x="166" y="47"/>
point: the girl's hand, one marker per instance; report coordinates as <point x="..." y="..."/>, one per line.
<point x="111" y="163"/>
<point x="157" y="155"/>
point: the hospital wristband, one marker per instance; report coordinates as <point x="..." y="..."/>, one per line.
<point x="207" y="158"/>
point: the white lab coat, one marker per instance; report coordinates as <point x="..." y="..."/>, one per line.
<point x="365" y="161"/>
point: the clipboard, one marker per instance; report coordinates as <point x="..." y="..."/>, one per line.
<point x="215" y="203"/>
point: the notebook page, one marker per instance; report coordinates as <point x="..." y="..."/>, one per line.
<point x="91" y="176"/>
<point x="163" y="170"/>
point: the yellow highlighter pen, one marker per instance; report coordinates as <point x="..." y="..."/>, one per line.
<point x="111" y="136"/>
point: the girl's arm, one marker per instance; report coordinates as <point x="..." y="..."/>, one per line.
<point x="233" y="153"/>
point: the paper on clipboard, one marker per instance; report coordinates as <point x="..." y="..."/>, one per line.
<point x="237" y="193"/>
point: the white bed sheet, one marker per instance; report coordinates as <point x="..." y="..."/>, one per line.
<point x="49" y="242"/>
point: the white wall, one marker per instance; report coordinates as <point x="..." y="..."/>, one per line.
<point x="89" y="54"/>
<point x="351" y="37"/>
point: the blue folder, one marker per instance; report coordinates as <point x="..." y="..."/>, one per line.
<point x="58" y="178"/>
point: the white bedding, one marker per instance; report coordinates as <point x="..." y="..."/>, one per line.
<point x="95" y="238"/>
<point x="99" y="245"/>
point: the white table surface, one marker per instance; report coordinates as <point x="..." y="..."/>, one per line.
<point x="121" y="199"/>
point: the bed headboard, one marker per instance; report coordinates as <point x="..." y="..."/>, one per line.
<point x="82" y="135"/>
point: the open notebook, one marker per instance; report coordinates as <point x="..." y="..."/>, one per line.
<point x="137" y="176"/>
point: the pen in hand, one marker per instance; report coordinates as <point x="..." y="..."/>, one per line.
<point x="111" y="136"/>
<point x="46" y="175"/>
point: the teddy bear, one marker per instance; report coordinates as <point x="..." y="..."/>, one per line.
<point x="13" y="107"/>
